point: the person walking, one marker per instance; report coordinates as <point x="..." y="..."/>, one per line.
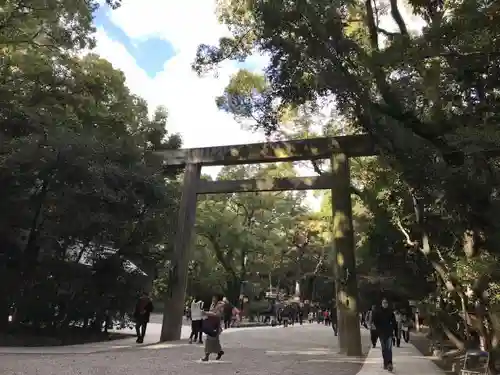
<point x="371" y="326"/>
<point x="326" y="315"/>
<point x="214" y="303"/>
<point x="227" y="313"/>
<point x="333" y="319"/>
<point x="279" y="314"/>
<point x="385" y="323"/>
<point x="285" y="315"/>
<point x="396" y="340"/>
<point x="236" y="318"/>
<point x="319" y="316"/>
<point x="405" y="327"/>
<point x="142" y="313"/>
<point x="212" y="329"/>
<point x="196" y="321"/>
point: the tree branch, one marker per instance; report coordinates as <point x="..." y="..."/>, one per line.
<point x="405" y="233"/>
<point x="386" y="33"/>
<point x="218" y="252"/>
<point x="316" y="167"/>
<point x="372" y="27"/>
<point x="396" y="16"/>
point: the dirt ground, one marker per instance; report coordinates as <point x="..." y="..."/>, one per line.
<point x="447" y="364"/>
<point x="450" y="363"/>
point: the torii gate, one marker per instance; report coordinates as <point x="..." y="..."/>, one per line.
<point x="338" y="149"/>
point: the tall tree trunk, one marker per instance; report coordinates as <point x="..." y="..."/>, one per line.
<point x="31" y="249"/>
<point x="233" y="287"/>
<point x="4" y="312"/>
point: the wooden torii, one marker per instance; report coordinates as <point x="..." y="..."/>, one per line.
<point x="337" y="149"/>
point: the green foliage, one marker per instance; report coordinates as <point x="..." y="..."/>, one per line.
<point x="430" y="101"/>
<point x="247" y="242"/>
<point x="83" y="195"/>
<point x="49" y="24"/>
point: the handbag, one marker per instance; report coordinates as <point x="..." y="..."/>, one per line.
<point x="211" y="326"/>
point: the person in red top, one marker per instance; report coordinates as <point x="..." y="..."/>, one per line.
<point x="326" y="316"/>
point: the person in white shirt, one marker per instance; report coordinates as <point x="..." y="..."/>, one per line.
<point x="196" y="321"/>
<point x="405" y="327"/>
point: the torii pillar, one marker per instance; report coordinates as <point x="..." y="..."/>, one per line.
<point x="346" y="286"/>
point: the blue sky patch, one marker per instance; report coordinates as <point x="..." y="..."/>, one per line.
<point x="248" y="64"/>
<point x="150" y="54"/>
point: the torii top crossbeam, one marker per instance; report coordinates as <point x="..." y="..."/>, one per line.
<point x="286" y="151"/>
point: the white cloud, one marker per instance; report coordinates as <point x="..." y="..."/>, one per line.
<point x="116" y="53"/>
<point x="189" y="99"/>
<point x="185" y="24"/>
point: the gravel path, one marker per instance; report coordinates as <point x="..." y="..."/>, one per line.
<point x="310" y="349"/>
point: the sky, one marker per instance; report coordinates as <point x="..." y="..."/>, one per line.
<point x="154" y="43"/>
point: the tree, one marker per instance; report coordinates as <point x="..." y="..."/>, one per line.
<point x="245" y="231"/>
<point x="427" y="98"/>
<point x="83" y="194"/>
<point x="53" y="24"/>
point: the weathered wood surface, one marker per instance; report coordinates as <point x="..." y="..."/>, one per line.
<point x="271" y="184"/>
<point x="287" y="151"/>
<point x="344" y="255"/>
<point x="176" y="294"/>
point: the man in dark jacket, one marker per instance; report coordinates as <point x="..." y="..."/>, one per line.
<point x="333" y="318"/>
<point x="285" y="314"/>
<point x="142" y="312"/>
<point x="227" y="313"/>
<point x="385" y="324"/>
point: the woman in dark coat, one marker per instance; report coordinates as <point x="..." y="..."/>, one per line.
<point x="213" y="330"/>
<point x="142" y="312"/>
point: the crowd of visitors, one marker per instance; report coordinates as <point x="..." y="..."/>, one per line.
<point x="386" y="325"/>
<point x="222" y="315"/>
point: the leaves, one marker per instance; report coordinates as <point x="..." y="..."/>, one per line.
<point x="48" y="24"/>
<point x="251" y="239"/>
<point x="429" y="100"/>
<point x="84" y="197"/>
